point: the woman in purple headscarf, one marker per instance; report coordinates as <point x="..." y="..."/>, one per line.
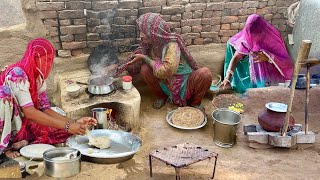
<point x="256" y="56"/>
<point x="166" y="65"/>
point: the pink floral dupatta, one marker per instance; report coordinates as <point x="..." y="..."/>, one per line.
<point x="37" y="61"/>
<point x="259" y="35"/>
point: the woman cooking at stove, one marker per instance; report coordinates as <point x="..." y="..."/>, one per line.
<point x="25" y="113"/>
<point x="166" y="65"/>
<point x="256" y="57"/>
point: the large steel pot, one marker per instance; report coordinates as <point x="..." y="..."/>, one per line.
<point x="100" y="85"/>
<point x="63" y="167"/>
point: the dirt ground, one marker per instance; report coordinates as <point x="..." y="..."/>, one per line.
<point x="238" y="162"/>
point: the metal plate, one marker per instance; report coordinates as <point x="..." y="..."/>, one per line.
<point x="168" y="117"/>
<point x="277" y="107"/>
<point x="123" y="144"/>
<point x="35" y="151"/>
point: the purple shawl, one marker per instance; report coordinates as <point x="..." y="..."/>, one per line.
<point x="259" y="35"/>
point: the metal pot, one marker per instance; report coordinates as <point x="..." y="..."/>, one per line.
<point x="65" y="167"/>
<point x="225" y="127"/>
<point x="100" y="85"/>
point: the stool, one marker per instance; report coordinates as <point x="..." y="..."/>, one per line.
<point x="182" y="155"/>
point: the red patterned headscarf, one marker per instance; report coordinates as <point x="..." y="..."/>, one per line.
<point x="37" y="61"/>
<point x="153" y="26"/>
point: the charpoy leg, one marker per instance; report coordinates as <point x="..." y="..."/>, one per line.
<point x="198" y="84"/>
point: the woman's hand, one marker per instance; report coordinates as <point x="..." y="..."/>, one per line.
<point x="87" y="121"/>
<point x="79" y="129"/>
<point x="225" y="84"/>
<point x="137" y="58"/>
<point x="259" y="57"/>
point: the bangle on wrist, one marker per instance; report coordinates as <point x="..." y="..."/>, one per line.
<point x="147" y="60"/>
<point x="230" y="72"/>
<point x="66" y="128"/>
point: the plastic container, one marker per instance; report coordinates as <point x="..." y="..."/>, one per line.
<point x="126" y="82"/>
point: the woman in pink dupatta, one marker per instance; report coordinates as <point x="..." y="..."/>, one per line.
<point x="256" y="56"/>
<point x="166" y="65"/>
<point x="25" y="113"/>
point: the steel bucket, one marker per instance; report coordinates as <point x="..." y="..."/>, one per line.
<point x="225" y="127"/>
<point x="101" y="115"/>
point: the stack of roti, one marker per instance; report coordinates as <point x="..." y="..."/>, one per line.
<point x="187" y="117"/>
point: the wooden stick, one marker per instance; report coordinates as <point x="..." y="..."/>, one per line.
<point x="311" y="62"/>
<point x="306" y="108"/>
<point x="302" y="57"/>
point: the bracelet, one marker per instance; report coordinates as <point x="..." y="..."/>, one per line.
<point x="66" y="128"/>
<point x="230" y="71"/>
<point x="147" y="60"/>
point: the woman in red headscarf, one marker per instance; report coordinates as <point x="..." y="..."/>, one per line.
<point x="25" y="113"/>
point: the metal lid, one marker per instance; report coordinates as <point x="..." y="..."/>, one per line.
<point x="126" y="78"/>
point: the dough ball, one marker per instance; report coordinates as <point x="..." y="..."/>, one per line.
<point x="102" y="142"/>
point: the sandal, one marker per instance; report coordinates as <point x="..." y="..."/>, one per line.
<point x="159" y="103"/>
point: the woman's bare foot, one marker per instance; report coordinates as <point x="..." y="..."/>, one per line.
<point x="157" y="104"/>
<point x="20" y="144"/>
<point x="12" y="154"/>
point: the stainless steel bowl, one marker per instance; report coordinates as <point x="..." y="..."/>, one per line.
<point x="61" y="168"/>
<point x="101" y="85"/>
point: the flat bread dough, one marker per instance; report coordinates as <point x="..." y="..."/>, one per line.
<point x="187" y="117"/>
<point x="102" y="142"/>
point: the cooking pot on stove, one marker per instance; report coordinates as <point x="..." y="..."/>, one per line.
<point x="99" y="85"/>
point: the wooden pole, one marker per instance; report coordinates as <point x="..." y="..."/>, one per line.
<point x="306" y="108"/>
<point x="302" y="58"/>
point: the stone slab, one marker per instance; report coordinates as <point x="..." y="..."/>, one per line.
<point x="259" y="138"/>
<point x="9" y="168"/>
<point x="308" y="138"/>
<point x="282" y="141"/>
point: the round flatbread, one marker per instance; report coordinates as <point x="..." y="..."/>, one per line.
<point x="187" y="117"/>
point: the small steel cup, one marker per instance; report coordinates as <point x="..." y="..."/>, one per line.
<point x="101" y="115"/>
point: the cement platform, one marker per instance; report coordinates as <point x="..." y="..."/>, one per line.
<point x="125" y="103"/>
<point x="261" y="138"/>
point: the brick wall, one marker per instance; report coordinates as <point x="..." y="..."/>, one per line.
<point x="78" y="26"/>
